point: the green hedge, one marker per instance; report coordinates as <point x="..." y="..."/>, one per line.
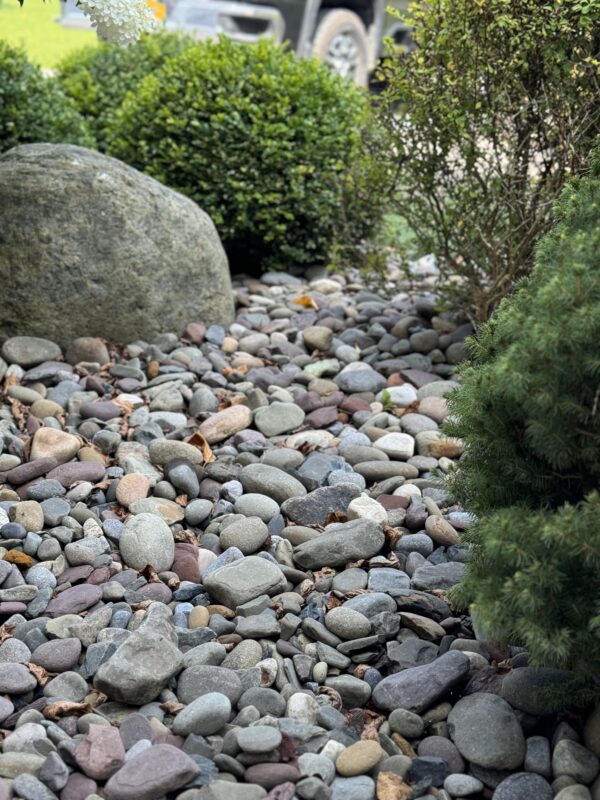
<point x="98" y="78"/>
<point x="32" y="108"/>
<point x="263" y="142"/>
<point x="528" y="411"/>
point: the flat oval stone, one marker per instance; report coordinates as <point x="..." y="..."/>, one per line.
<point x="77" y="471"/>
<point x="99" y="409"/>
<point x="74" y="600"/>
<point x="155" y="772"/>
<point x="226" y="423"/>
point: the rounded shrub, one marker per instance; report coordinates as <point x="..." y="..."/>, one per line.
<point x="261" y="140"/>
<point x="33" y="108"/>
<point x="528" y="411"/>
<point x="98" y="78"/>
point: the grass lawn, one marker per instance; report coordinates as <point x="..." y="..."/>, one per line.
<point x="33" y="27"/>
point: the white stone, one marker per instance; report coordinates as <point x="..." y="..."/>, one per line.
<point x="365" y="507"/>
<point x="396" y="445"/>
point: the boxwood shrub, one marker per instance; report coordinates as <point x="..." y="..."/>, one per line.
<point x="262" y="140"/>
<point x="33" y="108"/>
<point x="98" y="78"/>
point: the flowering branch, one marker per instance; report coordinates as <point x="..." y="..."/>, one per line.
<point x="120" y="21"/>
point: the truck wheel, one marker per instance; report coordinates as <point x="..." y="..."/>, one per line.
<point x="341" y="42"/>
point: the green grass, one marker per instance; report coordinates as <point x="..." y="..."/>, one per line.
<point x="34" y="28"/>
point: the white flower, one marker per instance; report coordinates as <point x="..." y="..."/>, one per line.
<point x="120" y="21"/>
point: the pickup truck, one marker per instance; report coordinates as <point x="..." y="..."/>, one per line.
<point x="347" y="35"/>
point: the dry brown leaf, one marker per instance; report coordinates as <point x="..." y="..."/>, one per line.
<point x="198" y="441"/>
<point x="185" y="536"/>
<point x="391" y="536"/>
<point x="150" y="574"/>
<point x="306" y="301"/>
<point x="227" y="402"/>
<point x="181" y="500"/>
<point x="126" y="405"/>
<point x="66" y="708"/>
<point x="335" y="697"/>
<point x="241" y="370"/>
<point x="96" y="698"/>
<point x="39" y="673"/>
<point x="333" y="602"/>
<point x="6" y="632"/>
<point x="287" y="748"/>
<point x="19" y="412"/>
<point x="392" y="787"/>
<point x="171" y="707"/>
<point x="335" y="516"/>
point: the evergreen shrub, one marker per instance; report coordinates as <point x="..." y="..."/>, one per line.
<point x="33" y="108"/>
<point x="488" y="117"/>
<point x="262" y="140"/>
<point x="528" y="411"/>
<point x="98" y="78"/>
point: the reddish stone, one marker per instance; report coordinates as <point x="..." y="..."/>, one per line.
<point x="353" y="404"/>
<point x="333" y="399"/>
<point x="75" y="574"/>
<point x="74" y="471"/>
<point x="286" y="791"/>
<point x="194" y="332"/>
<point x="322" y="417"/>
<point x="100" y="752"/>
<point x="270" y="775"/>
<point x="391" y="501"/>
<point x="157" y="591"/>
<point x="78" y="787"/>
<point x="12" y="607"/>
<point x="74" y="600"/>
<point x="100" y="409"/>
<point x="185" y="565"/>
<point x="99" y="576"/>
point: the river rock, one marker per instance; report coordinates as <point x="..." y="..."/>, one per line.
<point x="243" y="580"/>
<point x="487" y="732"/>
<point x="135" y="217"/>
<point x="418" y="688"/>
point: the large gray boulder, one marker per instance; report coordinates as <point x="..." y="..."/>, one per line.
<point x="92" y="247"/>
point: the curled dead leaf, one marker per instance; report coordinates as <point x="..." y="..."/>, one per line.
<point x="198" y="441"/>
<point x="335" y="516"/>
<point x="182" y="500"/>
<point x="392" y="787"/>
<point x="306" y="301"/>
<point x="6" y="632"/>
<point x="335" y="697"/>
<point x="171" y="707"/>
<point x="39" y="673"/>
<point x="150" y="574"/>
<point x="66" y="708"/>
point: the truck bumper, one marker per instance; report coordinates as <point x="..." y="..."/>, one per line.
<point x="243" y="22"/>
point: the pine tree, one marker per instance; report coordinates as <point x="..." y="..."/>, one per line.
<point x="528" y="411"/>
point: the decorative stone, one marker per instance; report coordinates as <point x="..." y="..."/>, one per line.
<point x="135" y="216"/>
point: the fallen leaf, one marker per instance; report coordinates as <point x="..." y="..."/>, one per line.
<point x="392" y="787"/>
<point x="171" y="707"/>
<point x="96" y="698"/>
<point x="335" y="516"/>
<point x="182" y="500"/>
<point x="150" y="574"/>
<point x="335" y="697"/>
<point x="306" y="301"/>
<point x="333" y="602"/>
<point x="6" y="632"/>
<point x="66" y="708"/>
<point x="39" y="673"/>
<point x="198" y="441"/>
<point x="287" y="748"/>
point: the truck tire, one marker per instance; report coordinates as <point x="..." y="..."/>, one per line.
<point x="341" y="42"/>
